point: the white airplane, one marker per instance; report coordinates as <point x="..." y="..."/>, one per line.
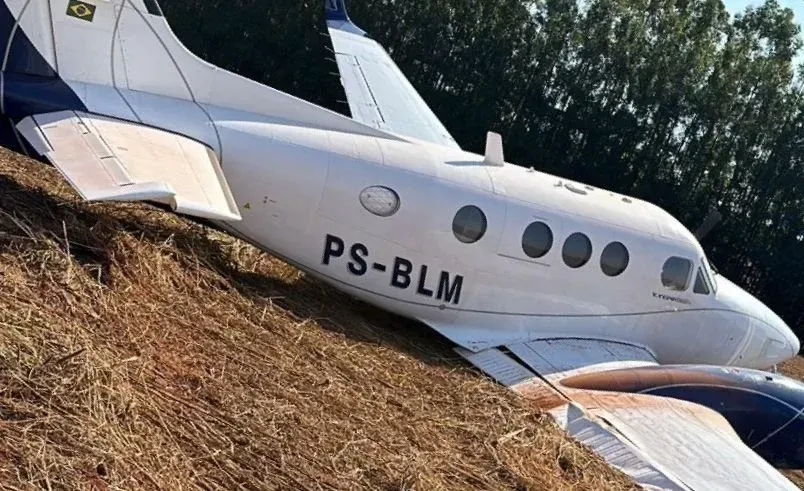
<point x="576" y="297"/>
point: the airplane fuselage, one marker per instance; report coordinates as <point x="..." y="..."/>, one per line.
<point x="298" y="189"/>
<point x="299" y="192"/>
<point x="486" y="253"/>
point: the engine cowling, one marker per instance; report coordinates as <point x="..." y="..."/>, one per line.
<point x="765" y="409"/>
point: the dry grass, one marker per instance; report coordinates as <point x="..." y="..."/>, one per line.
<point x="141" y="351"/>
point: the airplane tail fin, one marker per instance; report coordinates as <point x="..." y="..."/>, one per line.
<point x="102" y="90"/>
<point x="72" y="45"/>
<point x="119" y="58"/>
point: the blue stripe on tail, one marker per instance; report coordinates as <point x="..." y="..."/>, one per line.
<point x="29" y="84"/>
<point x="335" y="11"/>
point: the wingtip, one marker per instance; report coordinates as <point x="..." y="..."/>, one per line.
<point x="338" y="17"/>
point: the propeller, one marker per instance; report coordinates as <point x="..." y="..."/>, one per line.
<point x="710" y="222"/>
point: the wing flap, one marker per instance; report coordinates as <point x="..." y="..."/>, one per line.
<point x="567" y="357"/>
<point x="692" y="444"/>
<point x="497" y="365"/>
<point x="609" y="443"/>
<point x="662" y="443"/>
<point x="110" y="159"/>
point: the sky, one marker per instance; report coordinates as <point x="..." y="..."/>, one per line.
<point x="736" y="6"/>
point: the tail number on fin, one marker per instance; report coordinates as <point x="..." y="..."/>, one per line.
<point x="402" y="273"/>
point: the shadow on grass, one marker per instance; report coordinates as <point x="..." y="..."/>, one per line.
<point x="29" y="216"/>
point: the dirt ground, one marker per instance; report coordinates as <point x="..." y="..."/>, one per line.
<point x="139" y="350"/>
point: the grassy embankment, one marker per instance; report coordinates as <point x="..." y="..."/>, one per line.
<point x="141" y="351"/>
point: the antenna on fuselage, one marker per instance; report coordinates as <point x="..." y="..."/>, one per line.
<point x="494" y="150"/>
<point x="710" y="222"/>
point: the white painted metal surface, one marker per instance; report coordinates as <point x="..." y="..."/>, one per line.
<point x="609" y="443"/>
<point x="494" y="150"/>
<point x="566" y="357"/>
<point x="379" y="95"/>
<point x="109" y="159"/>
<point x="499" y="366"/>
<point x="683" y="438"/>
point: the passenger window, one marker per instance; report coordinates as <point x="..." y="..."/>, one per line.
<point x="469" y="224"/>
<point x="676" y="273"/>
<point x="537" y="240"/>
<point x="577" y="250"/>
<point x="701" y="285"/>
<point x="614" y="259"/>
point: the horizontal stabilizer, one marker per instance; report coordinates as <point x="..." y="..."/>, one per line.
<point x="107" y="159"/>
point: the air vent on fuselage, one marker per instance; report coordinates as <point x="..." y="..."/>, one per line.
<point x="575" y="188"/>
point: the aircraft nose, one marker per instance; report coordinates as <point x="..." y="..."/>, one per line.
<point x="795" y="344"/>
<point x="780" y="328"/>
<point x="773" y="340"/>
<point x="793" y="341"/>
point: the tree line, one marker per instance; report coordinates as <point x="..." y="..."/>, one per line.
<point x="673" y="101"/>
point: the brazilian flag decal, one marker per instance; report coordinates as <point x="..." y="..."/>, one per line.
<point x="81" y="10"/>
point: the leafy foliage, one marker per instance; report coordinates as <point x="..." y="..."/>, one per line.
<point x="673" y="101"/>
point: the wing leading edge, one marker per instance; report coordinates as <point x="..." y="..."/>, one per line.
<point x="378" y="93"/>
<point x="661" y="442"/>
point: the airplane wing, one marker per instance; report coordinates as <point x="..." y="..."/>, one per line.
<point x="110" y="159"/>
<point x="378" y="93"/>
<point x="661" y="442"/>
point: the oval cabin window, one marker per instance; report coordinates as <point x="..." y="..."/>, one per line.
<point x="537" y="240"/>
<point x="614" y="259"/>
<point x="469" y="224"/>
<point x="577" y="250"/>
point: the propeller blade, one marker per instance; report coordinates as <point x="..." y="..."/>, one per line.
<point x="710" y="222"/>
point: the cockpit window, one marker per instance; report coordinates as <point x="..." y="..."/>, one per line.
<point x="676" y="273"/>
<point x="701" y="285"/>
<point x="711" y="273"/>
